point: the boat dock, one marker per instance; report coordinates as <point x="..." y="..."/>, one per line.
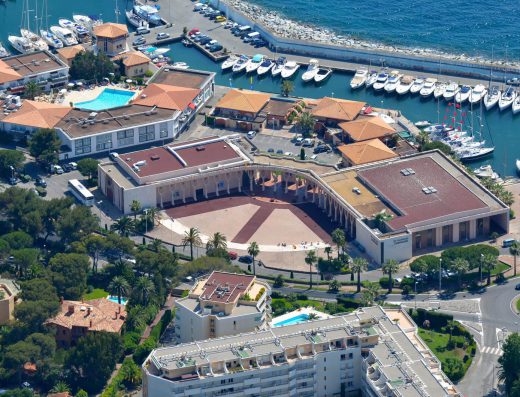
<point x="216" y="57"/>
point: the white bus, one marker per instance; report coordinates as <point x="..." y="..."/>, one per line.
<point x="79" y="191"/>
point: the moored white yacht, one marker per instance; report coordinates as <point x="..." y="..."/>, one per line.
<point x="228" y="63"/>
<point x="3" y="51"/>
<point x="451" y="90"/>
<point x="254" y="63"/>
<point x="240" y="64"/>
<point x="322" y="74"/>
<point x="38" y="43"/>
<point x="404" y="85"/>
<point x="463" y="94"/>
<point x="311" y="71"/>
<point x="492" y="97"/>
<point x="477" y="93"/>
<point x="265" y="67"/>
<point x="278" y="66"/>
<point x="51" y="39"/>
<point x="507" y="98"/>
<point x="289" y="68"/>
<point x="21" y="44"/>
<point x="417" y="85"/>
<point x="66" y="23"/>
<point x="393" y="81"/>
<point x="428" y="87"/>
<point x="65" y="35"/>
<point x="359" y="79"/>
<point x="86" y="21"/>
<point x="440" y="89"/>
<point x="382" y="79"/>
<point x="516" y="105"/>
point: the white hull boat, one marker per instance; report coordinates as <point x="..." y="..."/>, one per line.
<point x="254" y="63"/>
<point x="51" y="39"/>
<point x="477" y="93"/>
<point x="463" y="94"/>
<point x="3" y="51"/>
<point x="507" y="99"/>
<point x="322" y="75"/>
<point x="382" y="79"/>
<point x="439" y="90"/>
<point x="265" y="67"/>
<point x="240" y="64"/>
<point x="66" y="23"/>
<point x="38" y="43"/>
<point x="181" y="65"/>
<point x="428" y="87"/>
<point x="359" y="79"/>
<point x="311" y="71"/>
<point x="371" y="79"/>
<point x="417" y="85"/>
<point x="451" y="90"/>
<point x="278" y="66"/>
<point x="404" y="85"/>
<point x="65" y="35"/>
<point x="392" y="82"/>
<point x="289" y="69"/>
<point x="135" y="20"/>
<point x="492" y="97"/>
<point x="475" y="153"/>
<point x="518" y="166"/>
<point x="86" y="21"/>
<point x="228" y="63"/>
<point x="422" y="124"/>
<point x="21" y="44"/>
<point x="516" y="105"/>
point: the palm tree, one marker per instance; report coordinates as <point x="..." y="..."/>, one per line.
<point x="143" y="289"/>
<point x="125" y="226"/>
<point x="359" y="265"/>
<point x="155" y="245"/>
<point x="507" y="198"/>
<point x="370" y="294"/>
<point x="338" y="238"/>
<point x="253" y="250"/>
<point x="32" y="89"/>
<point x="305" y="123"/>
<point x="310" y="260"/>
<point x="287" y="87"/>
<point x="334" y="286"/>
<point x="389" y="267"/>
<point x="191" y="238"/>
<point x="489" y="262"/>
<point x="312" y="316"/>
<point x="135" y="207"/>
<point x="328" y="251"/>
<point x="119" y="286"/>
<point x="60" y="387"/>
<point x="515" y="251"/>
<point x="153" y="215"/>
<point x="217" y="242"/>
<point x="460" y="266"/>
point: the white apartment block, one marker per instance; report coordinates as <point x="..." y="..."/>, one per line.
<point x="220" y="305"/>
<point x="369" y="352"/>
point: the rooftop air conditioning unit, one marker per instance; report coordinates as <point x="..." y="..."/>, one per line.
<point x="92" y="115"/>
<point x="143" y="96"/>
<point x="148" y="113"/>
<point x="84" y="125"/>
<point x="140" y="163"/>
<point x="36" y="63"/>
<point x="105" y="121"/>
<point x="155" y="157"/>
<point x="46" y="60"/>
<point x="200" y="148"/>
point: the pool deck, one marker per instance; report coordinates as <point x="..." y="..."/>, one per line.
<point x="298" y="312"/>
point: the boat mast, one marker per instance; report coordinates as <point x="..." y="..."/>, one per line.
<point x="117" y="13"/>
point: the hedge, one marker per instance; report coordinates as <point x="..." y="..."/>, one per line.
<point x="437" y="320"/>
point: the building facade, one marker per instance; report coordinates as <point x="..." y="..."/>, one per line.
<point x="8" y="292"/>
<point x="367" y="352"/>
<point x="220" y="305"/>
<point x="111" y="38"/>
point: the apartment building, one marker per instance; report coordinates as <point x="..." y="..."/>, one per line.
<point x="369" y="352"/>
<point x="222" y="304"/>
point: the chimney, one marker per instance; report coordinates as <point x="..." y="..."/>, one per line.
<point x="116" y="315"/>
<point x="88" y="310"/>
<point x="90" y="324"/>
<point x="61" y="299"/>
<point x="71" y="309"/>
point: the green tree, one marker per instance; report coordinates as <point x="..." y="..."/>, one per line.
<point x="95" y="245"/>
<point x="120" y="245"/>
<point x="311" y="259"/>
<point x="44" y="145"/>
<point x="334" y="286"/>
<point x="507" y="198"/>
<point x="390" y="267"/>
<point x="31" y="90"/>
<point x="88" y="167"/>
<point x="75" y="223"/>
<point x="18" y="240"/>
<point x="278" y="281"/>
<point x="24" y="258"/>
<point x="125" y="226"/>
<point x="69" y="274"/>
<point x="370" y="294"/>
<point x="359" y="265"/>
<point x="380" y="218"/>
<point x="38" y="289"/>
<point x="218" y="242"/>
<point x="16" y="355"/>
<point x="287" y="87"/>
<point x="446" y="149"/>
<point x="9" y="160"/>
<point x="135" y="207"/>
<point x="81" y="393"/>
<point x="509" y="362"/>
<point x="89" y="66"/>
<point x="488" y="263"/>
<point x="338" y="238"/>
<point x="131" y="374"/>
<point x="514" y="250"/>
<point x="328" y="251"/>
<point x="92" y="361"/>
<point x="459" y="266"/>
<point x="253" y="249"/>
<point x="119" y="287"/>
<point x="192" y="238"/>
<point x="143" y="290"/>
<point x="305" y="123"/>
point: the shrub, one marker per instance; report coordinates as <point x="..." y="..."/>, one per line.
<point x="259" y="294"/>
<point x="148" y="73"/>
<point x="302" y="297"/>
<point x="130" y="341"/>
<point x="348" y="302"/>
<point x="406" y="290"/>
<point x="384" y="282"/>
<point x="454" y="369"/>
<point x="278" y="282"/>
<point x="437" y="320"/>
<point x="143" y="350"/>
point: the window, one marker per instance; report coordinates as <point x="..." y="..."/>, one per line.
<point x="104" y="142"/>
<point x="343" y="357"/>
<point x="125" y="137"/>
<point x="163" y="130"/>
<point x="350" y="384"/>
<point x="350" y="356"/>
<point x="82" y="146"/>
<point x="146" y="133"/>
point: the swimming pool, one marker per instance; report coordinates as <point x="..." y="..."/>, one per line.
<point x="114" y="299"/>
<point x="300" y="318"/>
<point x="108" y="98"/>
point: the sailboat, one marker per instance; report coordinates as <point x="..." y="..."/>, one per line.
<point x="38" y="43"/>
<point x="21" y="43"/>
<point x="49" y="37"/>
<point x="470" y="151"/>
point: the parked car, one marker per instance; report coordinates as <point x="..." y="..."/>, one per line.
<point x="215" y="48"/>
<point x="517" y="287"/>
<point x="251" y="134"/>
<point x="142" y="30"/>
<point x="139" y="41"/>
<point x="322" y="149"/>
<point x="247" y="259"/>
<point x="279" y="151"/>
<point x="211" y="43"/>
<point x="56" y="169"/>
<point x="270" y="150"/>
<point x="194" y="31"/>
<point x="307" y="142"/>
<point x="40" y="181"/>
<point x="205" y="40"/>
<point x="298" y="141"/>
<point x="13" y="181"/>
<point x="232" y="255"/>
<point x="73" y="165"/>
<point x="66" y="168"/>
<point x="220" y="18"/>
<point x="162" y="36"/>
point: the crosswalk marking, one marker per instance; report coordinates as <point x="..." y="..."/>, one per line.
<point x="491" y="350"/>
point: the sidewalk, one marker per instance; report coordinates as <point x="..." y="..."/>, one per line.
<point x="167" y="305"/>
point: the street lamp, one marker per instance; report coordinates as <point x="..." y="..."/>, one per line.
<point x="415" y="293"/>
<point x="481" y="260"/>
<point x="440" y="275"/>
<point x="146" y="220"/>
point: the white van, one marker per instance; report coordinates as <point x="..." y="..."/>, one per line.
<point x="198" y="7"/>
<point x="142" y="30"/>
<point x="253" y="35"/>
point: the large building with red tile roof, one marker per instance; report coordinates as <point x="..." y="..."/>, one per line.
<point x="135" y="63"/>
<point x="111" y="38"/>
<point x="76" y="319"/>
<point x="222" y="304"/>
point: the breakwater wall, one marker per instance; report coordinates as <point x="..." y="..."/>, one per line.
<point x="376" y="58"/>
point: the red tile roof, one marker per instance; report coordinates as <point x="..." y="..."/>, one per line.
<point x="167" y="97"/>
<point x="225" y="287"/>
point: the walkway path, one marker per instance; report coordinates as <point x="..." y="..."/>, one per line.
<point x="167" y="306"/>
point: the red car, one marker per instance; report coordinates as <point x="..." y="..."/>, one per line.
<point x="193" y="31"/>
<point x="232" y="255"/>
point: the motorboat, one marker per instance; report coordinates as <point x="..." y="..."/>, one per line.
<point x="518" y="166"/>
<point x="393" y="81"/>
<point x="240" y="64"/>
<point x="51" y="39"/>
<point x="87" y="22"/>
<point x="359" y="79"/>
<point x="65" y="35"/>
<point x="322" y="74"/>
<point x="417" y="85"/>
<point x="382" y="79"/>
<point x="289" y="69"/>
<point x="516" y="105"/>
<point x="477" y="93"/>
<point x="439" y="90"/>
<point x="21" y="44"/>
<point x="38" y="43"/>
<point x="3" y="51"/>
<point x="135" y="20"/>
<point x="228" y="63"/>
<point x="254" y="63"/>
<point x="186" y="43"/>
<point x="428" y="87"/>
<point x="311" y="71"/>
<point x="66" y="23"/>
<point x="507" y="98"/>
<point x="451" y="90"/>
<point x="492" y="97"/>
<point x="422" y="124"/>
<point x="472" y="154"/>
<point x="485" y="171"/>
<point x="181" y="65"/>
<point x="149" y="13"/>
<point x="463" y="94"/>
<point x="371" y="79"/>
<point x="81" y="31"/>
<point x="278" y="66"/>
<point x="404" y="85"/>
<point x="265" y="67"/>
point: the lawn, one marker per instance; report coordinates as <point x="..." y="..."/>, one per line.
<point x="518" y="305"/>
<point x="96" y="294"/>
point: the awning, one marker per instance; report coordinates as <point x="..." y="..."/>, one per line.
<point x="192" y="106"/>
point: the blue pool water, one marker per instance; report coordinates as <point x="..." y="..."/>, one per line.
<point x="300" y="318"/>
<point x="107" y="99"/>
<point x="114" y="299"/>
